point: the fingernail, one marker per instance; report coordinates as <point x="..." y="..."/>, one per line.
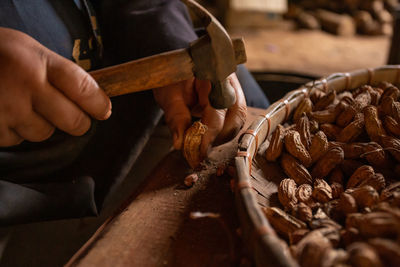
<point x="108" y="114"/>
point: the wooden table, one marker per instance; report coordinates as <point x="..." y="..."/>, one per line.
<point x="154" y="228"/>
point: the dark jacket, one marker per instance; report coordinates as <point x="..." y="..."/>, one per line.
<point x="65" y="176"/>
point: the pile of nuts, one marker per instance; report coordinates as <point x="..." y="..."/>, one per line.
<point x="341" y="200"/>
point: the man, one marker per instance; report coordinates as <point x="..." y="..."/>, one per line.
<point x="56" y="161"/>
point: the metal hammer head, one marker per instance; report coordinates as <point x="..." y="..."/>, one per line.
<point x="215" y="57"/>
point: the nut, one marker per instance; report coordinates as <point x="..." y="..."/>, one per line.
<point x="303" y="127"/>
<point x="319" y="145"/>
<point x="311" y="248"/>
<point x="325" y="101"/>
<point x="322" y="191"/>
<point x="392" y="144"/>
<point x="282" y="222"/>
<point x="362" y="100"/>
<point x="377" y="181"/>
<point x="392" y="126"/>
<point x="327" y="162"/>
<point x="379" y="224"/>
<point x="349" y="236"/>
<point x="303" y="193"/>
<point x="302" y="212"/>
<point x="388" y="251"/>
<point x="391" y="91"/>
<point x="337" y="190"/>
<point x="353" y="130"/>
<point x="297" y="235"/>
<point x="287" y="192"/>
<point x="331" y="130"/>
<point x="191" y="143"/>
<point x="335" y="257"/>
<point x="191" y="179"/>
<point x="305" y="106"/>
<point x="347" y="204"/>
<point x="362" y="254"/>
<point x="316" y="95"/>
<point x="327" y="115"/>
<point x="373" y="124"/>
<point x="295" y="170"/>
<point x="376" y="156"/>
<point x="346" y="116"/>
<point x="275" y="147"/>
<point x="362" y="173"/>
<point x="388" y="192"/>
<point x="365" y="196"/>
<point x="296" y="148"/>
<point x="390" y="107"/>
<point x="314" y="126"/>
<point x="352" y="150"/>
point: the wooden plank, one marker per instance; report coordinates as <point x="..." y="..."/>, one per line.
<point x="280" y="50"/>
<point x="153" y="228"/>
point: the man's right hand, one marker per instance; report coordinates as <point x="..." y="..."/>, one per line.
<point x="41" y="90"/>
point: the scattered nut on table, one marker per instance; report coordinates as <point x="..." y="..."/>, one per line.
<point x="191" y="179"/>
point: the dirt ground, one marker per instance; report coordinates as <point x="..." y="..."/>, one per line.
<point x="311" y="52"/>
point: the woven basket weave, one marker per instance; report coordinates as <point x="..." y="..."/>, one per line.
<point x="258" y="180"/>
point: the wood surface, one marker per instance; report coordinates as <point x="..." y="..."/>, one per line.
<point x="315" y="53"/>
<point x="153" y="228"/>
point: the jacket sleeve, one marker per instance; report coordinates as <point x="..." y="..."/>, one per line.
<point x="134" y="29"/>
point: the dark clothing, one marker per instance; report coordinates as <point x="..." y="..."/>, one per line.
<point x="65" y="176"/>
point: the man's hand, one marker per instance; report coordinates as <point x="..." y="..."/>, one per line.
<point x="181" y="100"/>
<point x="41" y="91"/>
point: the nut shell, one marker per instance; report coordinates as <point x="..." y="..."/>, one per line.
<point x="319" y="145"/>
<point x="192" y="142"/>
<point x="287" y="192"/>
<point x="305" y="106"/>
<point x="296" y="148"/>
<point x="326" y="163"/>
<point x="275" y="147"/>
<point x="295" y="170"/>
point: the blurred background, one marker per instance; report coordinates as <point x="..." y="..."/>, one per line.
<point x="290" y="42"/>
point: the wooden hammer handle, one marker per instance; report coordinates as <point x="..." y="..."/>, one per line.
<point x="146" y="73"/>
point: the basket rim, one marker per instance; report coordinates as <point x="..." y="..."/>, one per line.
<point x="250" y="140"/>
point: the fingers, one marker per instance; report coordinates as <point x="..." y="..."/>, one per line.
<point x="213" y="118"/>
<point x="60" y="111"/>
<point x="235" y="116"/>
<point x="34" y="128"/>
<point x="9" y="137"/>
<point x="78" y="86"/>
<point x="174" y="101"/>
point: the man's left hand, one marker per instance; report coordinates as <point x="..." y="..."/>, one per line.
<point x="182" y="100"/>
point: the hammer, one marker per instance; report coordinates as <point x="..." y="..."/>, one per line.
<point x="214" y="56"/>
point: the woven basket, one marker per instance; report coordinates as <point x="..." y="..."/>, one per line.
<point x="258" y="180"/>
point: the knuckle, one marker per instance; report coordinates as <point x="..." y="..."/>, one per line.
<point x="86" y="87"/>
